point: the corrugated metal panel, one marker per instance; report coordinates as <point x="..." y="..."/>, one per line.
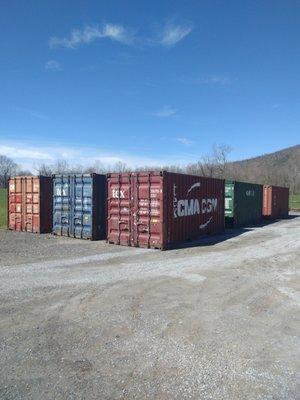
<point x="30" y="204"/>
<point x="162" y="209"/>
<point x="195" y="207"/>
<point x="275" y="202"/>
<point x="79" y="206"/>
<point x="243" y="203"/>
<point x="135" y="209"/>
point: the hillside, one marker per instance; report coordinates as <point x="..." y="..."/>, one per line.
<point x="289" y="156"/>
<point x="278" y="168"/>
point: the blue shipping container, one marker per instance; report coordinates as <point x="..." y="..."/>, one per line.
<point x="79" y="206"/>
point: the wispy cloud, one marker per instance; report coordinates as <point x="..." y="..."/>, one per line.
<point x="172" y="33"/>
<point x="214" y="80"/>
<point x="53" y="65"/>
<point x="185" y="141"/>
<point x="91" y="33"/>
<point x="29" y="156"/>
<point x="166" y="111"/>
<point x="19" y="152"/>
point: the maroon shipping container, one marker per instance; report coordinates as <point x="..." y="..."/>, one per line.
<point x="162" y="209"/>
<point x="30" y="204"/>
<point x="275" y="202"/>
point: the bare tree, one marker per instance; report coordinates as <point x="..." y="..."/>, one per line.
<point x="220" y="156"/>
<point x="293" y="179"/>
<point x="61" y="167"/>
<point x="24" y="172"/>
<point x="120" y="167"/>
<point x="212" y="165"/>
<point x="7" y="168"/>
<point x="44" y="169"/>
<point x="98" y="167"/>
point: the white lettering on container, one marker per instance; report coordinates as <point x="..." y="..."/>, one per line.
<point x="118" y="194"/>
<point x="187" y="207"/>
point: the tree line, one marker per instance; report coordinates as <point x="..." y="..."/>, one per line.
<point x="216" y="164"/>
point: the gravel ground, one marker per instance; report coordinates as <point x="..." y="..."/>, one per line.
<point x="88" y="320"/>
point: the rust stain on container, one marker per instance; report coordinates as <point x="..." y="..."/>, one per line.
<point x="162" y="209"/>
<point x="30" y="204"/>
<point x="275" y="202"/>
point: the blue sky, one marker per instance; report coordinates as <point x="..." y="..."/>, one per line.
<point x="150" y="82"/>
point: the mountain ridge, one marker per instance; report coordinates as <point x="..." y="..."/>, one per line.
<point x="280" y="168"/>
<point x="287" y="152"/>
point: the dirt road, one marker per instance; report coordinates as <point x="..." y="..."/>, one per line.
<point x="88" y="320"/>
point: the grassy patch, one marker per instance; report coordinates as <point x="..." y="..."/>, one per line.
<point x="295" y="201"/>
<point x="3" y="208"/>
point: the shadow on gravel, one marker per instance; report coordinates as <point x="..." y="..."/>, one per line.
<point x="212" y="240"/>
<point x="228" y="234"/>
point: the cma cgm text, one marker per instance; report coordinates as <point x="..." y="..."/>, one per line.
<point x="188" y="207"/>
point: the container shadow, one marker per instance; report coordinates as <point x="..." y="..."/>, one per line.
<point x="229" y="233"/>
<point x="211" y="240"/>
<point x="268" y="221"/>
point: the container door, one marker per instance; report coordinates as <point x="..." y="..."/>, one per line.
<point x="267" y="200"/>
<point x="119" y="204"/>
<point x="135" y="209"/>
<point x="31" y="195"/>
<point x="82" y="216"/>
<point x="147" y="210"/>
<point x="134" y="234"/>
<point x="15" y="205"/>
<point x="62" y="205"/>
<point x="141" y="210"/>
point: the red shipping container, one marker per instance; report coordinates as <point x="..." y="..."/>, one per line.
<point x="275" y="202"/>
<point x="162" y="209"/>
<point x="30" y="204"/>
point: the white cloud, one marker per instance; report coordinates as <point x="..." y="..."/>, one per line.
<point x="91" y="33"/>
<point x="19" y="152"/>
<point x="29" y="156"/>
<point x="215" y="80"/>
<point x="173" y="33"/>
<point x="53" y="65"/>
<point x="118" y="33"/>
<point x="185" y="141"/>
<point x="166" y="111"/>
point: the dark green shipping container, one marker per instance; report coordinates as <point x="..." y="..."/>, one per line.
<point x="243" y="203"/>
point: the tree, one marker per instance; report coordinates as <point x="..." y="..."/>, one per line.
<point x="44" y="169"/>
<point x="213" y="165"/>
<point x="220" y="156"/>
<point x="7" y="168"/>
<point x="98" y="168"/>
<point x="120" y="167"/>
<point x="61" y="167"/>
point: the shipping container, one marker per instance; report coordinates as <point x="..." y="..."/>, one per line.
<point x="30" y="204"/>
<point x="79" y="206"/>
<point x="162" y="209"/>
<point x="275" y="202"/>
<point x="243" y="203"/>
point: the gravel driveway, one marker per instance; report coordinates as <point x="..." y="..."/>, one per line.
<point x="88" y="320"/>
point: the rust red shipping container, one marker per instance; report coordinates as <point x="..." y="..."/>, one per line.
<point x="162" y="209"/>
<point x="30" y="204"/>
<point x="275" y="202"/>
